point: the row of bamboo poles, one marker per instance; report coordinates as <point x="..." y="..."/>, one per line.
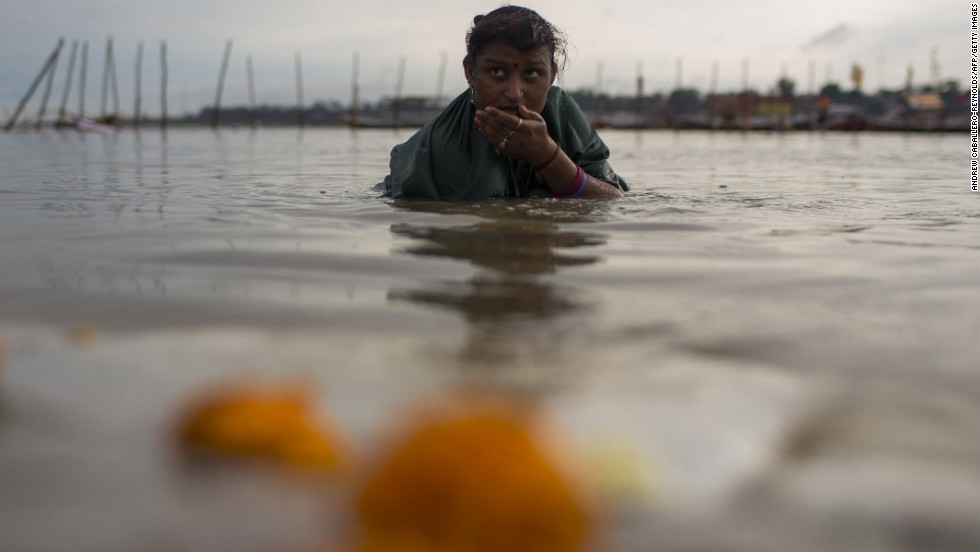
<point x="111" y="85"/>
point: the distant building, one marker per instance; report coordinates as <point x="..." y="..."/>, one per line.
<point x="748" y="111"/>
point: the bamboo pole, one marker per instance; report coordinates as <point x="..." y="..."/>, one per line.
<point x="355" y="91"/>
<point x="746" y="122"/>
<point x="109" y="76"/>
<point x="712" y="91"/>
<point x="47" y="90"/>
<point x="139" y="85"/>
<point x="597" y="92"/>
<point x="163" y="84"/>
<point x="81" y="80"/>
<point x="639" y="94"/>
<point x="714" y="78"/>
<point x="442" y="78"/>
<point x="881" y="73"/>
<point x="398" y="91"/>
<point x="115" y="86"/>
<point x="299" y="90"/>
<point x="63" y="111"/>
<point x="810" y="86"/>
<point x="105" y="79"/>
<point x="811" y="71"/>
<point x="221" y="85"/>
<point x="252" y="111"/>
<point x="639" y="79"/>
<point x="37" y="80"/>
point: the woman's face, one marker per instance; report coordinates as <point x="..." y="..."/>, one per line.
<point x="505" y="77"/>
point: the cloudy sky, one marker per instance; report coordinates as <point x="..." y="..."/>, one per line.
<point x="810" y="42"/>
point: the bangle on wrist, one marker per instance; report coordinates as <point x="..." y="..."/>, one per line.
<point x="542" y="166"/>
<point x="577" y="184"/>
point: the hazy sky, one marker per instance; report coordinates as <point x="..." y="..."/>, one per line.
<point x="884" y="37"/>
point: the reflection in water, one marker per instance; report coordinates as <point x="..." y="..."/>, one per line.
<point x="488" y="300"/>
<point x="510" y="246"/>
<point x="515" y="248"/>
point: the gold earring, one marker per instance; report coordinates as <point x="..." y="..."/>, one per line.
<point x="472" y="96"/>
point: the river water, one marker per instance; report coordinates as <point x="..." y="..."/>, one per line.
<point x="776" y="335"/>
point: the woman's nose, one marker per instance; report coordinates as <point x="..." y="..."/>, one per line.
<point x="514" y="90"/>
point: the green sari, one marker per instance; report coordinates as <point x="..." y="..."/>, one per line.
<point x="449" y="159"/>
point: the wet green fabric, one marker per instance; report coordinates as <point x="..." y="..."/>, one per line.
<point x="449" y="159"/>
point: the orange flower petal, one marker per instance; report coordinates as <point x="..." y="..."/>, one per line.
<point x="273" y="421"/>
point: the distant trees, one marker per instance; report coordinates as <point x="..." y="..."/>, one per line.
<point x="786" y="87"/>
<point x="833" y="92"/>
<point x="684" y="101"/>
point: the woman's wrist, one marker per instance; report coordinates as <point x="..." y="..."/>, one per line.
<point x="577" y="184"/>
<point x="542" y="166"/>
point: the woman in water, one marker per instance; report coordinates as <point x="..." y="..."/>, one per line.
<point x="512" y="134"/>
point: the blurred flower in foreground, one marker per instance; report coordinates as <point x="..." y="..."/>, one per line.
<point x="470" y="477"/>
<point x="84" y="335"/>
<point x="269" y="420"/>
<point x="619" y="472"/>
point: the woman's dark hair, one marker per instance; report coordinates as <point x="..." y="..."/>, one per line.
<point x="519" y="27"/>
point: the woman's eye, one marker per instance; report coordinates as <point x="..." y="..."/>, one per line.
<point x="497" y="72"/>
<point x="533" y="73"/>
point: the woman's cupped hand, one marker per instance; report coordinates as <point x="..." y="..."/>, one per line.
<point x="522" y="137"/>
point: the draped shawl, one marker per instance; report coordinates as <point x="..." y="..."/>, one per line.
<point x="449" y="159"/>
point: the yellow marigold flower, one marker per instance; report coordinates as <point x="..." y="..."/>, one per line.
<point x="473" y="479"/>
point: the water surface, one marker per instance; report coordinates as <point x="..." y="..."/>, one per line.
<point x="780" y="330"/>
